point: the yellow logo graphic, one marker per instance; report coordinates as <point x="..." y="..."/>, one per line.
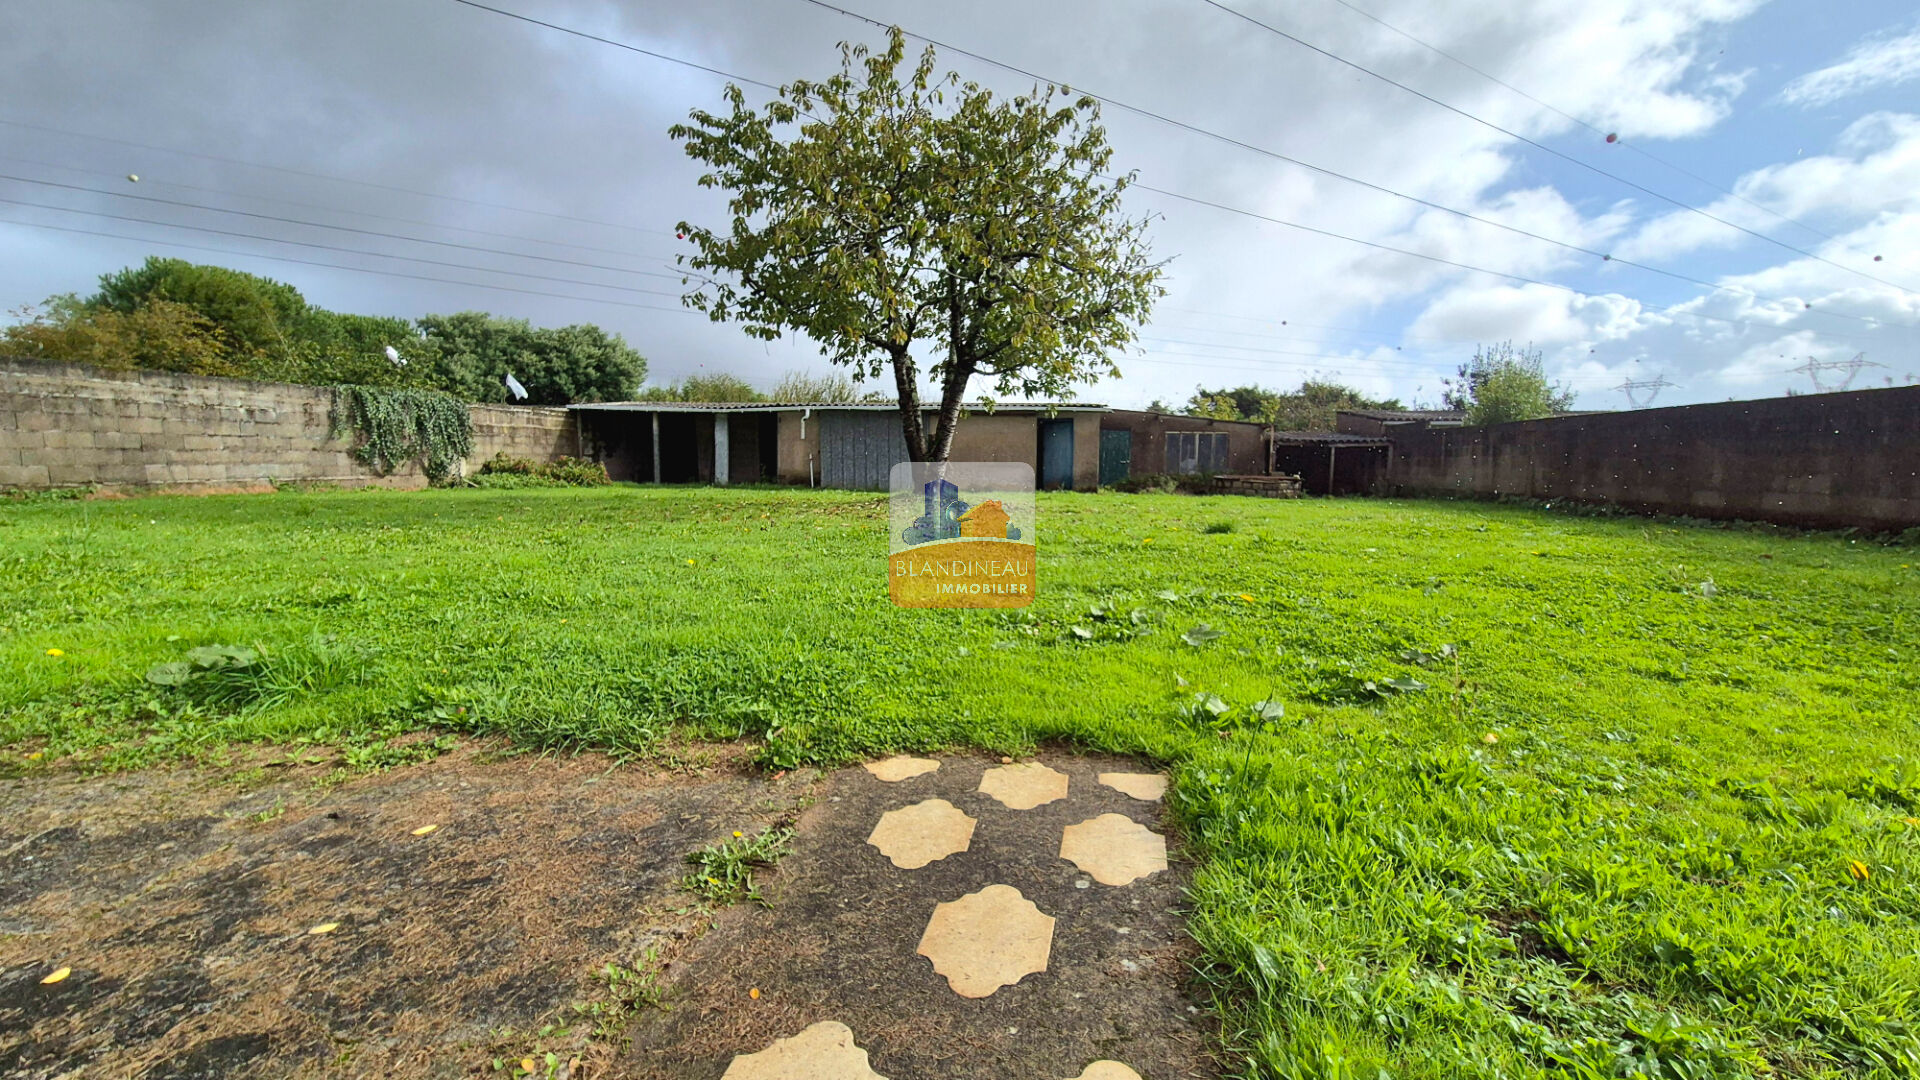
<point x="961" y="535"/>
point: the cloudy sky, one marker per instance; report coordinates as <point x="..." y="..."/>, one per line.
<point x="410" y="156"/>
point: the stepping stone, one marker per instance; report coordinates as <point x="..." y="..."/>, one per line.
<point x="901" y="767"/>
<point x="925" y="832"/>
<point x="986" y="940"/>
<point x="1145" y="786"/>
<point x="824" y="1051"/>
<point x="1108" y="1070"/>
<point x="1023" y="787"/>
<point x="1114" y="849"/>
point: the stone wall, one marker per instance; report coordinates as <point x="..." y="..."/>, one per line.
<point x="69" y="425"/>
<point x="1271" y="487"/>
<point x="1819" y="460"/>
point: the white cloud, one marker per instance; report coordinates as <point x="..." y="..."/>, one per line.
<point x="1875" y="170"/>
<point x="1717" y="345"/>
<point x="1525" y="314"/>
<point x="478" y="106"/>
<point x="1881" y="60"/>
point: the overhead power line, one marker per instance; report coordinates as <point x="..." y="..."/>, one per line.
<point x="1615" y="138"/>
<point x="1565" y="245"/>
<point x="1277" y="352"/>
<point x="332" y="247"/>
<point x="1523" y="279"/>
<point x="1353" y="367"/>
<point x="1162" y="357"/>
<point x="1217" y="205"/>
<point x="336" y="179"/>
<point x="1597" y="170"/>
<point x="617" y="44"/>
<point x="343" y="266"/>
<point x="147" y="180"/>
<point x="1278" y="156"/>
<point x="337" y="228"/>
<point x="1278" y="322"/>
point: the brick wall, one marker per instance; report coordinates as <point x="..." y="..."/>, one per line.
<point x="1822" y="460"/>
<point x="1246" y="445"/>
<point x="69" y="425"/>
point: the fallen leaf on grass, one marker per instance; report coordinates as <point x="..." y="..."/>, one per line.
<point x="1200" y="635"/>
<point x="325" y="928"/>
<point x="526" y="1064"/>
<point x="424" y="830"/>
<point x="754" y="993"/>
<point x="58" y="976"/>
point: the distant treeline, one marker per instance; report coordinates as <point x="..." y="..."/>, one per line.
<point x="173" y="315"/>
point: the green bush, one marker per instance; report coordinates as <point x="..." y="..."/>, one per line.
<point x="578" y="472"/>
<point x="1165" y="484"/>
<point x="502" y="471"/>
<point x="506" y="481"/>
<point x="502" y="465"/>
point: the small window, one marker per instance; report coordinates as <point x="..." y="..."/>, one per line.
<point x="1191" y="452"/>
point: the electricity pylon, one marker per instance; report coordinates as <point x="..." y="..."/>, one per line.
<point x="1849" y="370"/>
<point x="1633" y="388"/>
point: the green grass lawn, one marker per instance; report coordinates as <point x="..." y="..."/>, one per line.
<point x="1474" y="790"/>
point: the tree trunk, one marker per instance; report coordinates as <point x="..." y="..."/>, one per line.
<point x="906" y="388"/>
<point x="952" y="396"/>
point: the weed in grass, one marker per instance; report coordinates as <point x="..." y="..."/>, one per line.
<point x="1217" y="528"/>
<point x="231" y="678"/>
<point x="723" y="872"/>
<point x="626" y="991"/>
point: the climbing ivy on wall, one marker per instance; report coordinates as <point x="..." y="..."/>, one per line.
<point x="396" y="425"/>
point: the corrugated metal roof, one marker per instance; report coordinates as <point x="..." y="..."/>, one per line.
<point x="1327" y="438"/>
<point x="863" y="406"/>
<point x="1408" y="414"/>
<point x="1182" y="417"/>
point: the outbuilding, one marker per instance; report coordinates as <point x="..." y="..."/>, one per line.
<point x="1155" y="443"/>
<point x="851" y="446"/>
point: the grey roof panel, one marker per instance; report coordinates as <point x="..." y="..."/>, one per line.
<point x="864" y="406"/>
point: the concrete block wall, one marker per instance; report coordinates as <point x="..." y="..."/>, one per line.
<point x="1819" y="460"/>
<point x="67" y="425"/>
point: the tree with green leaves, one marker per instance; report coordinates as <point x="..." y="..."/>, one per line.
<point x="1310" y="408"/>
<point x="158" y="334"/>
<point x="472" y="353"/>
<point x="1503" y="384"/>
<point x="707" y="388"/>
<point x="920" y="226"/>
<point x="335" y="347"/>
<point x="259" y="316"/>
<point x="173" y="315"/>
<point x="831" y="388"/>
